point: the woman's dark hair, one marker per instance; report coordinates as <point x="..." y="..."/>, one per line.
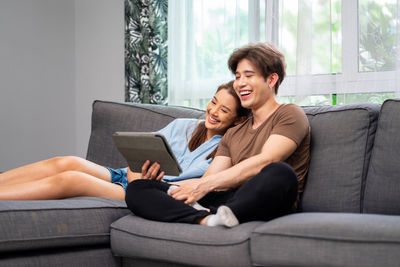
<point x="265" y="57"/>
<point x="200" y="133"/>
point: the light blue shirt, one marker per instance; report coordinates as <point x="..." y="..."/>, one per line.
<point x="193" y="163"/>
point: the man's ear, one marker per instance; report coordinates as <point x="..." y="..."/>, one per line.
<point x="240" y="120"/>
<point x="272" y="80"/>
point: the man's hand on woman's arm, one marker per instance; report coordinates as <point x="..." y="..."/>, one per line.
<point x="276" y="148"/>
<point x="192" y="190"/>
<point x="221" y="175"/>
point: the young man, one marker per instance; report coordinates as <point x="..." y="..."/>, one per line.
<point x="260" y="165"/>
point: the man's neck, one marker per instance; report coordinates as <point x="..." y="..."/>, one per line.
<point x="263" y="112"/>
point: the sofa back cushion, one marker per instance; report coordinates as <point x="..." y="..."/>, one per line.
<point x="382" y="192"/>
<point x="110" y="117"/>
<point x="341" y="143"/>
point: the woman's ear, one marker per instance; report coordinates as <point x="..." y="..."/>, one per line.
<point x="239" y="120"/>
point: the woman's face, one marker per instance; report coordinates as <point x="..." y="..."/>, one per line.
<point x="221" y="112"/>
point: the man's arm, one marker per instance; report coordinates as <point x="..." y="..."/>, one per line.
<point x="276" y="148"/>
<point x="219" y="164"/>
<point x="224" y="176"/>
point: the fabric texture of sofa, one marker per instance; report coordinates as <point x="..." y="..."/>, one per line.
<point x="349" y="210"/>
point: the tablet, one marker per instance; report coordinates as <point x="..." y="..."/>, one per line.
<point x="137" y="147"/>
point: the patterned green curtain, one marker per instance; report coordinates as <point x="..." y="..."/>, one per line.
<point x="146" y="51"/>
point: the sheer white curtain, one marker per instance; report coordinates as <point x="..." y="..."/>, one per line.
<point x="201" y="36"/>
<point x="336" y="51"/>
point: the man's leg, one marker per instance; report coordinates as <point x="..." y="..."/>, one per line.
<point x="149" y="199"/>
<point x="266" y="196"/>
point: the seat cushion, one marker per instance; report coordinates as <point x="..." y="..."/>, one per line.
<point x="28" y="225"/>
<point x="327" y="239"/>
<point x="341" y="143"/>
<point x="110" y="117"/>
<point x="135" y="237"/>
<point x="382" y="192"/>
<point x="65" y="257"/>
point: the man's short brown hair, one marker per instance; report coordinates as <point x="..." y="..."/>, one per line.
<point x="265" y="57"/>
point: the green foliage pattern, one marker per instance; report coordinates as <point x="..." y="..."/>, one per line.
<point x="146" y="51"/>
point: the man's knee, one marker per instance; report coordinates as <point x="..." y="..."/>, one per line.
<point x="277" y="175"/>
<point x="280" y="167"/>
<point x="133" y="191"/>
<point x="138" y="185"/>
<point x="131" y="188"/>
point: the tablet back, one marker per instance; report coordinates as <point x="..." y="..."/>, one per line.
<point x="137" y="147"/>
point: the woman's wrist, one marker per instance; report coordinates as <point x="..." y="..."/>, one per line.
<point x="131" y="176"/>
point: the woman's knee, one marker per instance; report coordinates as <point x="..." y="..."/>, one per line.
<point x="64" y="181"/>
<point x="68" y="163"/>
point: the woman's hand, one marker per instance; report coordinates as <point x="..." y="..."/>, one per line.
<point x="148" y="172"/>
<point x="190" y="191"/>
<point x="152" y="172"/>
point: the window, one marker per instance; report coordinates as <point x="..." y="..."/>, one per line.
<point x="336" y="51"/>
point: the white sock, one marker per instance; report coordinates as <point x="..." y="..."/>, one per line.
<point x="197" y="206"/>
<point x="224" y="216"/>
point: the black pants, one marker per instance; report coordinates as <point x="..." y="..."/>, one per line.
<point x="269" y="194"/>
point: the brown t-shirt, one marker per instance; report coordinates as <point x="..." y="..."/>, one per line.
<point x="242" y="142"/>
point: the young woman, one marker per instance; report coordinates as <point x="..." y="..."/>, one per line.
<point x="71" y="176"/>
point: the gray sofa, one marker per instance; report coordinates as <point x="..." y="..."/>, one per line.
<point x="349" y="210"/>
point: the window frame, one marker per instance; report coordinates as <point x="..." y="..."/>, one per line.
<point x="350" y="80"/>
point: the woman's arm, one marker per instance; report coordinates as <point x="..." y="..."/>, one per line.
<point x="218" y="164"/>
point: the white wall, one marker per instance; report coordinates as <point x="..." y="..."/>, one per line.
<point x="99" y="65"/>
<point x="56" y="57"/>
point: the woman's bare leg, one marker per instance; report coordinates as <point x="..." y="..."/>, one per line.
<point x="64" y="185"/>
<point x="51" y="167"/>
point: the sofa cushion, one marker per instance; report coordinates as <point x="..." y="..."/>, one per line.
<point x="382" y="192"/>
<point x="135" y="237"/>
<point x="110" y="117"/>
<point x="341" y="143"/>
<point x="28" y="225"/>
<point x="327" y="239"/>
<point x="64" y="257"/>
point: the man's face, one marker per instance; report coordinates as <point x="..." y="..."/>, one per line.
<point x="251" y="86"/>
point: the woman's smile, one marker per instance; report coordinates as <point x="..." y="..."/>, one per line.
<point x="213" y="120"/>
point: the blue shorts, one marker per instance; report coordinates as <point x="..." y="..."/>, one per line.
<point x="118" y="176"/>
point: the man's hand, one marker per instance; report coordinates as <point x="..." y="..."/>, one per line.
<point x="148" y="172"/>
<point x="191" y="191"/>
